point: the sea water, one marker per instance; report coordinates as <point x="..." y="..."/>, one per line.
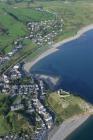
<point x="84" y="132"/>
<point x="73" y="62"/>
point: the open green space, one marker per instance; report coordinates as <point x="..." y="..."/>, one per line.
<point x="75" y="14"/>
<point x="12" y="121"/>
<point x="13" y="26"/>
<point x="66" y="106"/>
<point x="13" y="23"/>
<point x="4" y="127"/>
<point x="13" y="18"/>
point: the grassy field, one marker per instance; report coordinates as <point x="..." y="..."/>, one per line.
<point x="10" y="29"/>
<point x="13" y="20"/>
<point x="14" y="123"/>
<point x="4" y="127"/>
<point x="13" y="23"/>
<point x="11" y="121"/>
<point x="75" y="14"/>
<point x="65" y="107"/>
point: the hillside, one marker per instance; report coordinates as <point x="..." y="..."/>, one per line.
<point x="13" y="29"/>
<point x="66" y="106"/>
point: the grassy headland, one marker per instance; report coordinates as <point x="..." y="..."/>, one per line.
<point x="67" y="106"/>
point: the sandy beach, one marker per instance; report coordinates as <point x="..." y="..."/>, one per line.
<point x="54" y="48"/>
<point x="69" y="126"/>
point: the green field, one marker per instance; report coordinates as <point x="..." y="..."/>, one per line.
<point x="13" y="19"/>
<point x="66" y="107"/>
<point x="11" y="121"/>
<point x="75" y="14"/>
<point x="13" y="23"/>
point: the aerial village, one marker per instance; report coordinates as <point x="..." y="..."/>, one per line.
<point x="30" y="95"/>
<point x="29" y="108"/>
<point x="41" y="33"/>
<point x="33" y="92"/>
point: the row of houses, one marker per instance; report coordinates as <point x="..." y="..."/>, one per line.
<point x="7" y="57"/>
<point x="42" y="111"/>
<point x="28" y="92"/>
<point x="13" y="74"/>
<point x="16" y="137"/>
<point x="44" y="32"/>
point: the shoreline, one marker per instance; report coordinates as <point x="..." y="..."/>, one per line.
<point x="69" y="126"/>
<point x="54" y="47"/>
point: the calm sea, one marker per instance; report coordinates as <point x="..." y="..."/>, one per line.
<point x="73" y="62"/>
<point x="85" y="132"/>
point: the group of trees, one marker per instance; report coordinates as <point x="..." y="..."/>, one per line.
<point x="5" y="103"/>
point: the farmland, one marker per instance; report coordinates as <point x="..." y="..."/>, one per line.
<point x="13" y="23"/>
<point x="26" y="31"/>
<point x="14" y="18"/>
<point x="13" y="26"/>
<point x="75" y="14"/>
